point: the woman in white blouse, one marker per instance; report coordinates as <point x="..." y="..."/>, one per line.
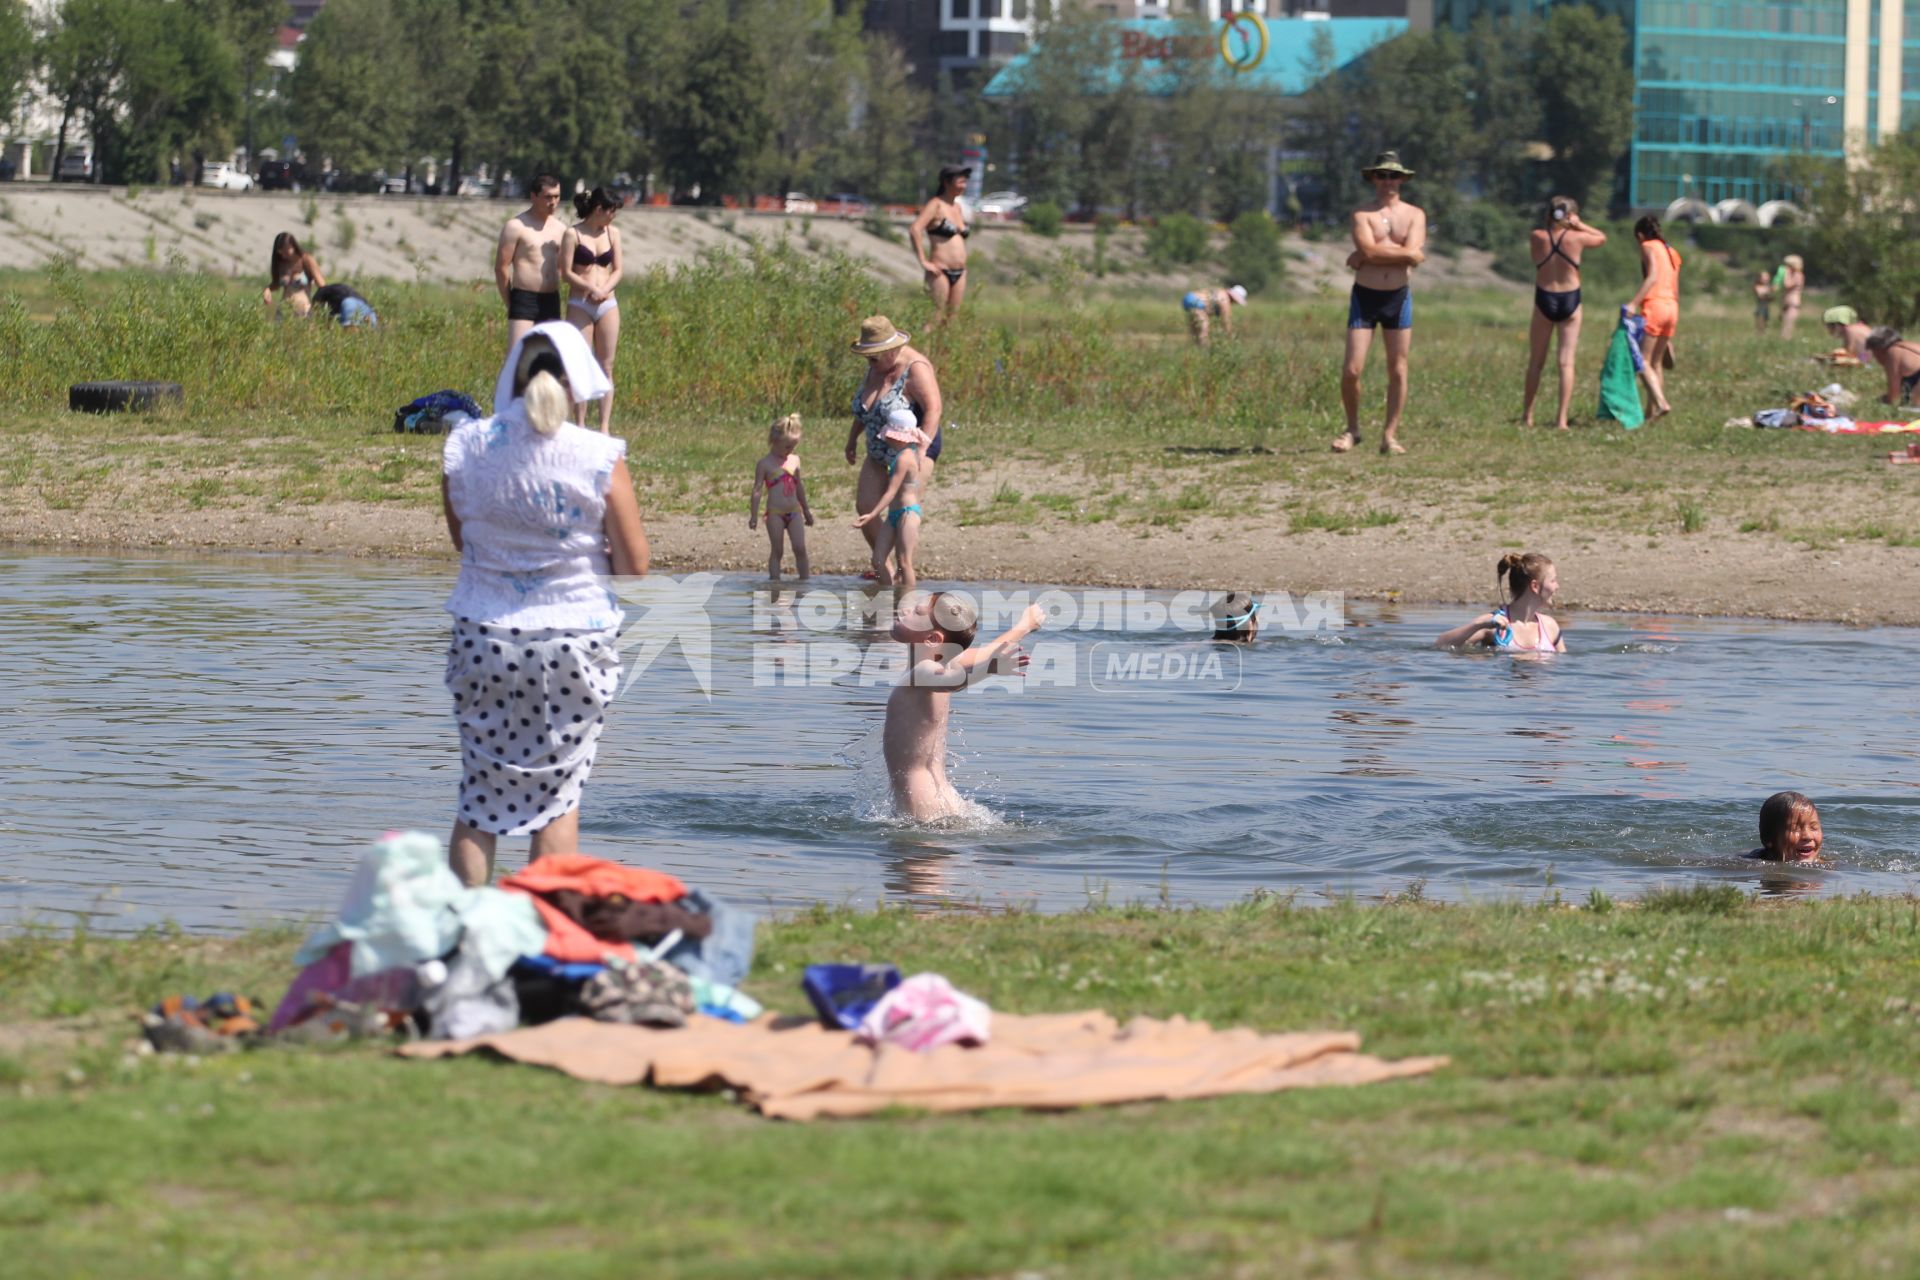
<point x="543" y="514"/>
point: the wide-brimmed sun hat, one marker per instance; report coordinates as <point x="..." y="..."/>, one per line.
<point x="1840" y="315"/>
<point x="878" y="336"/>
<point x="1387" y="162"/>
<point x="904" y="428"/>
<point x="1239" y="294"/>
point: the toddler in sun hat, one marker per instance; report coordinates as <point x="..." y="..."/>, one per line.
<point x="899" y="537"/>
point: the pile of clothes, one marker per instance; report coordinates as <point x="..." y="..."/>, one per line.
<point x="416" y="953"/>
<point x="1825" y="410"/>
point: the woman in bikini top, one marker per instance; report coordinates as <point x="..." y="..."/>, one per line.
<point x="592" y="274"/>
<point x="293" y="273"/>
<point x="939" y="237"/>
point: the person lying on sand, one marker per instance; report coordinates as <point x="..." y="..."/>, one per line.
<point x="1519" y="626"/>
<point x="939" y="631"/>
<point x="1789" y="829"/>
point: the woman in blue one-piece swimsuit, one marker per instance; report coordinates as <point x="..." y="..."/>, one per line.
<point x="1520" y="626"/>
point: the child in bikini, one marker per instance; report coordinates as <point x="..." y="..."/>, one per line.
<point x="779" y="474"/>
<point x="1789" y="829"/>
<point x="900" y="536"/>
<point x="1520" y="626"/>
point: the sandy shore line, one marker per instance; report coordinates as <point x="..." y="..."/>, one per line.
<point x="1725" y="575"/>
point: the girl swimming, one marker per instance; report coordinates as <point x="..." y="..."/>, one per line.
<point x="1519" y="626"/>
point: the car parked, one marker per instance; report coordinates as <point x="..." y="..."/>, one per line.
<point x="75" y="166"/>
<point x="849" y="204"/>
<point x="222" y="176"/>
<point x="1001" y="204"/>
<point x="279" y="175"/>
<point x="801" y="202"/>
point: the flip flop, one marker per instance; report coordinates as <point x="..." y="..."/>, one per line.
<point x="1392" y="446"/>
<point x="1344" y="442"/>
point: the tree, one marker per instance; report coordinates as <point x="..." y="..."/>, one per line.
<point x="18" y="54"/>
<point x="881" y="156"/>
<point x="722" y="120"/>
<point x="573" y="117"/>
<point x="1506" y="114"/>
<point x="1416" y="103"/>
<point x="352" y="90"/>
<point x="1585" y="90"/>
<point x="813" y="80"/>
<point x="1324" y="127"/>
<point x="1864" y="231"/>
<point x="85" y="49"/>
<point x="1061" y="87"/>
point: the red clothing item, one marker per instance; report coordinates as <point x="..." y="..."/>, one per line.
<point x="567" y="940"/>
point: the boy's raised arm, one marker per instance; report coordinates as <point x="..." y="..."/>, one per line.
<point x="979" y="660"/>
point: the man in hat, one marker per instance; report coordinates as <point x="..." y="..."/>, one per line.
<point x="1389" y="241"/>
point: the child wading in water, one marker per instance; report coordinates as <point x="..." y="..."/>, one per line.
<point x="1519" y="625"/>
<point x="1789" y="829"/>
<point x="779" y="474"/>
<point x="939" y="631"/>
<point x="899" y="537"/>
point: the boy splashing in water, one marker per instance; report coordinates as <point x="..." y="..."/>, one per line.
<point x="939" y="631"/>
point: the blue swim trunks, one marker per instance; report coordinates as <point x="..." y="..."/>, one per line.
<point x="1381" y="308"/>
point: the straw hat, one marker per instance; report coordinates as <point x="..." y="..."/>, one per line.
<point x="878" y="336"/>
<point x="1387" y="162"/>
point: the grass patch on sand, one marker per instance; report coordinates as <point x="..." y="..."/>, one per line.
<point x="1699" y="1085"/>
<point x="1039" y="386"/>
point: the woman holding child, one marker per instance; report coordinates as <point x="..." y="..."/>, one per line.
<point x="898" y="378"/>
<point x="542" y="511"/>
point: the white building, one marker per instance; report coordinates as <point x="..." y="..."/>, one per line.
<point x="35" y="118"/>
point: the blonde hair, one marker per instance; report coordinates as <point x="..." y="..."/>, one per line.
<point x="547" y="401"/>
<point x="786" y="430"/>
<point x="1521" y="571"/>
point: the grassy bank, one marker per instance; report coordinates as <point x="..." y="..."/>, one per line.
<point x="1085" y="411"/>
<point x="1696" y="1085"/>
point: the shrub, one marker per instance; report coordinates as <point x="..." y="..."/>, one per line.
<point x="1482" y="224"/>
<point x="1044" y="218"/>
<point x="1254" y="256"/>
<point x="1177" y="239"/>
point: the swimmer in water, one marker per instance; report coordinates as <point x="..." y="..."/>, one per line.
<point x="1519" y="626"/>
<point x="1236" y="616"/>
<point x="939" y="631"/>
<point x="1789" y="829"/>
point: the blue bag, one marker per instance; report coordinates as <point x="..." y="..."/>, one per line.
<point x="440" y="411"/>
<point x="843" y="994"/>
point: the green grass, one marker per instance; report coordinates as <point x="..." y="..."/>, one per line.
<point x="1699" y="1086"/>
<point x="1068" y="387"/>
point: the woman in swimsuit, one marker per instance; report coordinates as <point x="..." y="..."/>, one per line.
<point x="898" y="377"/>
<point x="293" y="272"/>
<point x="1557" y="245"/>
<point x="1658" y="299"/>
<point x="1519" y="626"/>
<point x="939" y="238"/>
<point x="590" y="263"/>
<point x="1901" y="360"/>
<point x="1203" y="305"/>
<point x="1790" y="282"/>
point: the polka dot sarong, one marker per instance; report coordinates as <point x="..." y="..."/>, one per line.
<point x="530" y="705"/>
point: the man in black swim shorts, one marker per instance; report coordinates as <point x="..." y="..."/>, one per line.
<point x="526" y="264"/>
<point x="1389" y="241"/>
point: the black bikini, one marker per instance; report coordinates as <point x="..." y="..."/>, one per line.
<point x="585" y="257"/>
<point x="1558" y="308"/>
<point x="945" y="230"/>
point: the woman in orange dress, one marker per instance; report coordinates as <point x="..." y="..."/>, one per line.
<point x="1659" y="301"/>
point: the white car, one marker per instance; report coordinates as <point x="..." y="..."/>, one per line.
<point x="222" y="176"/>
<point x="1003" y="204"/>
<point x="801" y="202"/>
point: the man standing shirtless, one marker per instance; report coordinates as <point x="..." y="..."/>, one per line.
<point x="1389" y="241"/>
<point x="527" y="265"/>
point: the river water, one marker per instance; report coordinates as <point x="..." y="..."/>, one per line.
<point x="211" y="742"/>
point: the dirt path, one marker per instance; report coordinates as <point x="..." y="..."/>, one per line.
<point x="1725" y="574"/>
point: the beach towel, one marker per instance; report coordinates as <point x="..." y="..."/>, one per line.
<point x="1619" y="376"/>
<point x="795" y="1069"/>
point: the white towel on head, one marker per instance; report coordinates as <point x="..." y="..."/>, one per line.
<point x="586" y="380"/>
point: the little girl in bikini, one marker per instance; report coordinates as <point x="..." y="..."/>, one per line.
<point x="779" y="474"/>
<point x="900" y="536"/>
<point x="1519" y="626"/>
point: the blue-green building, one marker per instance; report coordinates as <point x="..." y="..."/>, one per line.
<point x="1725" y="91"/>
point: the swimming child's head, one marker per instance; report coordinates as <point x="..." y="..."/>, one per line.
<point x="939" y="617"/>
<point x="1790" y="828"/>
<point x="784" y="434"/>
<point x="1236" y="616"/>
<point x="1530" y="570"/>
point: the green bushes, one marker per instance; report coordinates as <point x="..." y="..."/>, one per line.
<point x="1177" y="240"/>
<point x="1482" y="224"/>
<point x="1254" y="257"/>
<point x="1044" y="218"/>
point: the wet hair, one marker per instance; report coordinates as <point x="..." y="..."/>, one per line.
<point x="544" y="388"/>
<point x="955" y="616"/>
<point x="786" y="430"/>
<point x="948" y="173"/>
<point x="1882" y="338"/>
<point x="1778" y="811"/>
<point x="585" y="202"/>
<point x="1561" y="208"/>
<point x="275" y="268"/>
<point x="1521" y="571"/>
<point x="1648" y="228"/>
<point x="542" y="182"/>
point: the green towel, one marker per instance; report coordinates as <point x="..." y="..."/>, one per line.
<point x="1619" y="385"/>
